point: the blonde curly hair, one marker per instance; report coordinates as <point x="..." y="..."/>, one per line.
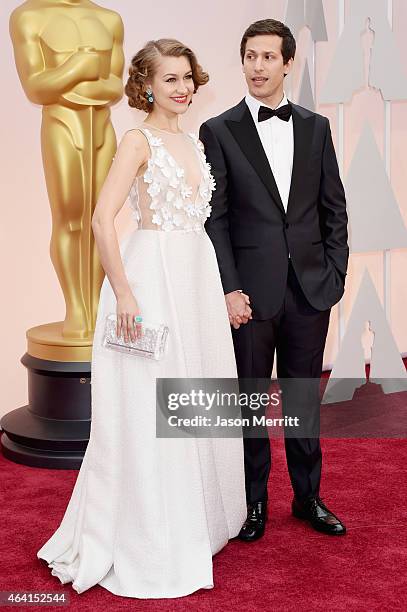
<point x="143" y="66"/>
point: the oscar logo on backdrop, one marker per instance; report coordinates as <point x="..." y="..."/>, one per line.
<point x="69" y="59"/>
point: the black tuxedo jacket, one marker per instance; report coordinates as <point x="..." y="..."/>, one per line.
<point x="250" y="230"/>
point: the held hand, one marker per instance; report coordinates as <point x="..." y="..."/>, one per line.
<point x="127" y="308"/>
<point x="237" y="321"/>
<point x="87" y="61"/>
<point x="238" y="308"/>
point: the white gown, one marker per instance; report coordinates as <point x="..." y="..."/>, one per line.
<point x="147" y="514"/>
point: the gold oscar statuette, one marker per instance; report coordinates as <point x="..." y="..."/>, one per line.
<point x="69" y="59"/>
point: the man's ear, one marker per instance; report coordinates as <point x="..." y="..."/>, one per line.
<point x="287" y="66"/>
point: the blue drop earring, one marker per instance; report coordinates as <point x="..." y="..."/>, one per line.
<point x="149" y="95"/>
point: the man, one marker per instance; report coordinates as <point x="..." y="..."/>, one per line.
<point x="279" y="228"/>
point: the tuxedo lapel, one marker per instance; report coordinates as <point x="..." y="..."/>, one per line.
<point x="246" y="135"/>
<point x="303" y="128"/>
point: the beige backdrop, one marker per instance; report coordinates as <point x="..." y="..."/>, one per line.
<point x="31" y="293"/>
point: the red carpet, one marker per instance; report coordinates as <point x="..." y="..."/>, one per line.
<point x="291" y="568"/>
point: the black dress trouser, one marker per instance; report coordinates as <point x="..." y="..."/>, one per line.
<point x="297" y="333"/>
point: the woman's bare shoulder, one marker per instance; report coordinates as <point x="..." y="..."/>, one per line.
<point x="135" y="137"/>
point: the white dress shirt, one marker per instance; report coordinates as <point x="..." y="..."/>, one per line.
<point x="277" y="138"/>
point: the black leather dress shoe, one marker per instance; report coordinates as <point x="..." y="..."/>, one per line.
<point x="317" y="514"/>
<point x="254" y="525"/>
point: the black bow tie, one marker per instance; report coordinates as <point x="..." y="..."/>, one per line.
<point x="283" y="112"/>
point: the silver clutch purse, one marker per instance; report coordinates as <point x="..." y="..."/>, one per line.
<point x="151" y="344"/>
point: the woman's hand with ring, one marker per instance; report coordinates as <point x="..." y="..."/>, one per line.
<point x="128" y="318"/>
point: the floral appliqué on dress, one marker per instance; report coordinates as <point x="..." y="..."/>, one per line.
<point x="171" y="202"/>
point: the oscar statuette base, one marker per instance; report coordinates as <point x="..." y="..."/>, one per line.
<point x="52" y="431"/>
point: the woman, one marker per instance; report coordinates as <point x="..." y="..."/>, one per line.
<point x="146" y="513"/>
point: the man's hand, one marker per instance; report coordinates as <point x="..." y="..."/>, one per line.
<point x="239" y="311"/>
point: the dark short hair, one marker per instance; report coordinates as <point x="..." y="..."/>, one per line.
<point x="271" y="26"/>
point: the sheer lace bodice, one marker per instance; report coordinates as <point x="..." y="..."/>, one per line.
<point x="175" y="190"/>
